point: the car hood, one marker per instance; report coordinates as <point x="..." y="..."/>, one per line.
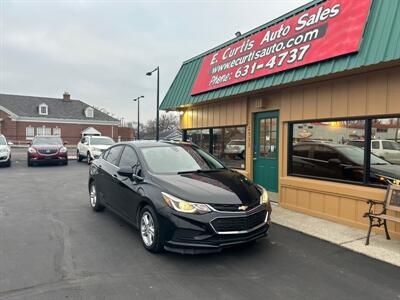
<point x="222" y="187"/>
<point x="392" y="171"/>
<point x="40" y="147"/>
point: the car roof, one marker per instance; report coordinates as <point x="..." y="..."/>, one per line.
<point x="154" y="143"/>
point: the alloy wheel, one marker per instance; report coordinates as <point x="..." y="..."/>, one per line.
<point x="93" y="195"/>
<point x="147" y="229"/>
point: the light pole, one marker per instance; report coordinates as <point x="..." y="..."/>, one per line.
<point x="138" y="112"/>
<point x="158" y="101"/>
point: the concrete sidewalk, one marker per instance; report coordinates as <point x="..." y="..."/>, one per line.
<point x="342" y="235"/>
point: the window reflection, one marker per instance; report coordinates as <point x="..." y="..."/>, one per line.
<point x="230" y="146"/>
<point x="336" y="150"/>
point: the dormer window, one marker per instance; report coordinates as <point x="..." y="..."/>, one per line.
<point x="43" y="109"/>
<point x="89" y="112"/>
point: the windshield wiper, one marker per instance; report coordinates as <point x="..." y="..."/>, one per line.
<point x="201" y="171"/>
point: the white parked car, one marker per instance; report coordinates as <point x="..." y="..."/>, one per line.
<point x="5" y="152"/>
<point x="91" y="147"/>
<point x="236" y="147"/>
<point x="388" y="150"/>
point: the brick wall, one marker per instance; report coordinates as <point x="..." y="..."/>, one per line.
<point x="15" y="131"/>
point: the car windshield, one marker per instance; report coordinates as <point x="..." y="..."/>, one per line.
<point x="102" y="141"/>
<point x="175" y="159"/>
<point x="356" y="155"/>
<point x="390" y="145"/>
<point x="47" y="141"/>
<point x="2" y="141"/>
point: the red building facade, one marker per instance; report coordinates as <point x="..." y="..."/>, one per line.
<point x="23" y="117"/>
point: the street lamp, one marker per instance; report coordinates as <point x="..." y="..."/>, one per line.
<point x="138" y="111"/>
<point x="158" y="101"/>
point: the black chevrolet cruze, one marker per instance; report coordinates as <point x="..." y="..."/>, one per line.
<point x="181" y="198"/>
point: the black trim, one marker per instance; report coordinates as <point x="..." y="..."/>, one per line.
<point x="367" y="150"/>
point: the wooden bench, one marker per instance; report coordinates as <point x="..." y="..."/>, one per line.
<point x="391" y="203"/>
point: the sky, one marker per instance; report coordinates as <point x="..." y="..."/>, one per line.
<point x="99" y="51"/>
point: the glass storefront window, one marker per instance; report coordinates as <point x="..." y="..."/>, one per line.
<point x="385" y="144"/>
<point x="336" y="150"/>
<point x="200" y="137"/>
<point x="229" y="145"/>
<point x="326" y="150"/>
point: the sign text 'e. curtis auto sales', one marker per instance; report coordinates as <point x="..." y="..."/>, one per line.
<point x="330" y="29"/>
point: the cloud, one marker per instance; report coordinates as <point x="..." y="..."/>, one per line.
<point x="99" y="51"/>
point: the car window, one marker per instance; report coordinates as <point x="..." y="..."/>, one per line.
<point x="325" y="153"/>
<point x="301" y="150"/>
<point x="47" y="141"/>
<point x="389" y="145"/>
<point x="2" y="141"/>
<point x="102" y="141"/>
<point x="375" y="145"/>
<point x="113" y="155"/>
<point x="128" y="158"/>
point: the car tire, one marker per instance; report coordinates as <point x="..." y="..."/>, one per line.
<point x="150" y="231"/>
<point x="94" y="199"/>
<point x="8" y="164"/>
<point x="66" y="162"/>
<point x="78" y="156"/>
<point x="30" y="164"/>
<point x="89" y="158"/>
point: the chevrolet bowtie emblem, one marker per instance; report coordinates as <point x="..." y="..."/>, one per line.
<point x="243" y="207"/>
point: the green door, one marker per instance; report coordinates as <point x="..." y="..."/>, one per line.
<point x="266" y="155"/>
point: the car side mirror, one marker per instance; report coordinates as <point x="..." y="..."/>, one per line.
<point x="334" y="161"/>
<point x="128" y="172"/>
<point x="30" y="144"/>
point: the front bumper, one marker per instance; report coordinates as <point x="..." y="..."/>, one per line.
<point x="212" y="232"/>
<point x="4" y="158"/>
<point x="40" y="158"/>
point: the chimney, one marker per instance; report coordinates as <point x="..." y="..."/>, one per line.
<point x="66" y="96"/>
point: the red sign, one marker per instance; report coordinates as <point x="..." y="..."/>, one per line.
<point x="330" y="29"/>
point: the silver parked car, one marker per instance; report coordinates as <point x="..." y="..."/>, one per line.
<point x="5" y="152"/>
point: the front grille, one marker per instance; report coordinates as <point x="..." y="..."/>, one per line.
<point x="234" y="207"/>
<point x="48" y="151"/>
<point x="244" y="223"/>
<point x="3" y="157"/>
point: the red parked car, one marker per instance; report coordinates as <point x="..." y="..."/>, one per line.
<point x="47" y="149"/>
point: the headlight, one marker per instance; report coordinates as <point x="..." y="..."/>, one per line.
<point x="63" y="150"/>
<point x="31" y="150"/>
<point x="264" y="195"/>
<point x="185" y="206"/>
<point x="386" y="179"/>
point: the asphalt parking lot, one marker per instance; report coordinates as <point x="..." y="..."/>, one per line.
<point x="53" y="246"/>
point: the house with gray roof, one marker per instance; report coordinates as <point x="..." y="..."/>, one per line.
<point x="24" y="117"/>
